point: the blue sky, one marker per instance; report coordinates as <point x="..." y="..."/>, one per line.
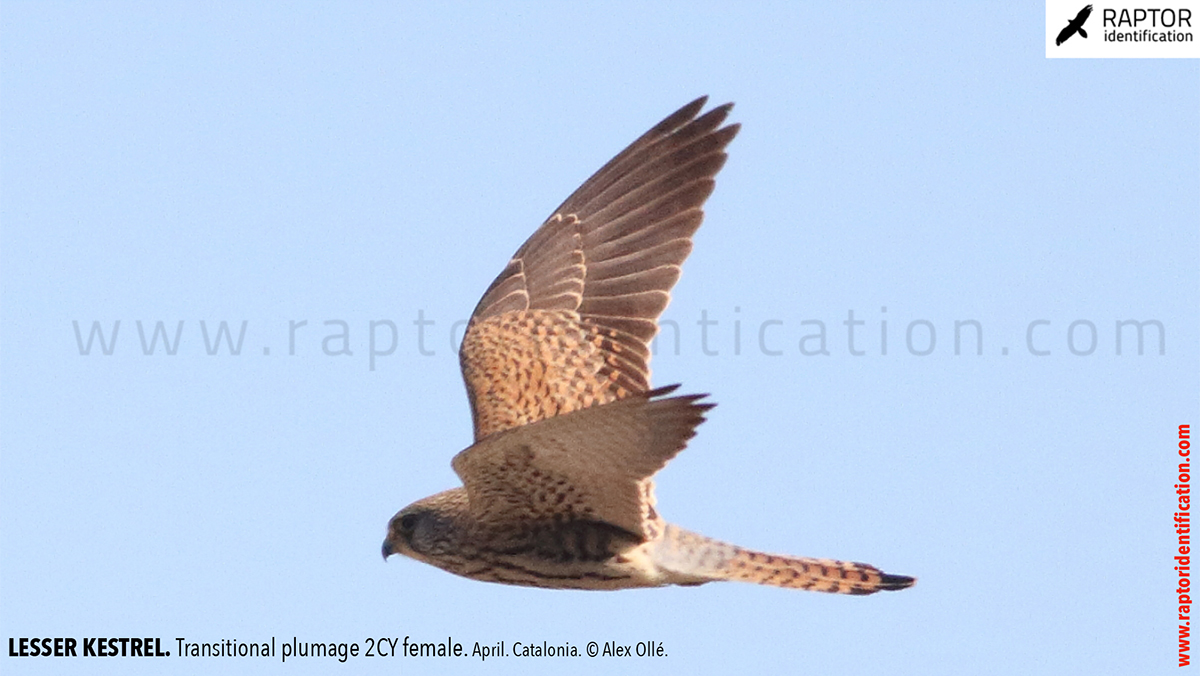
<point x="341" y="164"/>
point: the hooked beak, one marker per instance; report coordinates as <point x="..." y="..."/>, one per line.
<point x="387" y="549"/>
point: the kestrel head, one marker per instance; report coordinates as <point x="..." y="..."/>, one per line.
<point x="426" y="527"/>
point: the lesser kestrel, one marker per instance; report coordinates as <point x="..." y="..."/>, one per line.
<point x="557" y="488"/>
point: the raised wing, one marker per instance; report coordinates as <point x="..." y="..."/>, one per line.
<point x="568" y="322"/>
<point x="593" y="465"/>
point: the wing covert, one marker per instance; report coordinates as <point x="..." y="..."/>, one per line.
<point x="593" y="464"/>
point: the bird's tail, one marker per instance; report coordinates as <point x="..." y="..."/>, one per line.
<point x="1082" y="33"/>
<point x="690" y="558"/>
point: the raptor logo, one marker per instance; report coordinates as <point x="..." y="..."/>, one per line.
<point x="1075" y="26"/>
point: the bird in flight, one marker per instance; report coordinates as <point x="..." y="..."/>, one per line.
<point x="557" y="488"/>
<point x="1074" y="26"/>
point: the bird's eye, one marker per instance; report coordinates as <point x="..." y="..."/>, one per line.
<point x="408" y="523"/>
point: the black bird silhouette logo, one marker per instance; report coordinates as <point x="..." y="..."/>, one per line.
<point x="1075" y="26"/>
